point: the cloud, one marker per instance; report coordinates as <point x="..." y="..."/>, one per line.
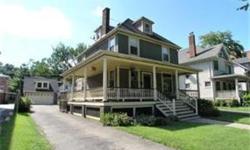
<point x="98" y="11"/>
<point x="47" y="22"/>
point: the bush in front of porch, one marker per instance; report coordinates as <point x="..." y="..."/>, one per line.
<point x="206" y="108"/>
<point x="227" y="103"/>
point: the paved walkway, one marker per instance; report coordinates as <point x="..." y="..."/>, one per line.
<point x="66" y="131"/>
<point x="229" y="124"/>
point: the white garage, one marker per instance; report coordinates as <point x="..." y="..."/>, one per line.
<point x="41" y="98"/>
<point x="41" y="90"/>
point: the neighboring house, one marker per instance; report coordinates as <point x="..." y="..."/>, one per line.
<point x="4" y="87"/>
<point x="220" y="76"/>
<point x="41" y="90"/>
<point x="131" y="69"/>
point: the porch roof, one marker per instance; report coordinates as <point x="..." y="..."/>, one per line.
<point x="114" y="55"/>
<point x="232" y="76"/>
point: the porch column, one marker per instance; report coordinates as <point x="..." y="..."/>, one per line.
<point x="118" y="81"/>
<point x="198" y="84"/>
<point x="177" y="84"/>
<point x="154" y="83"/>
<point x="104" y="80"/>
<point x="64" y="84"/>
<point x="72" y="86"/>
<point x="85" y="84"/>
<point x="237" y="89"/>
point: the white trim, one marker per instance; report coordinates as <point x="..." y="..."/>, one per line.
<point x="42" y="84"/>
<point x="138" y="45"/>
<point x="109" y="43"/>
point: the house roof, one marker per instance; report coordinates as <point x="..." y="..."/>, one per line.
<point x="202" y="53"/>
<point x="242" y="60"/>
<point x="29" y="83"/>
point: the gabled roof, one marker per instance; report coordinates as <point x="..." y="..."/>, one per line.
<point x="29" y="83"/>
<point x="202" y="53"/>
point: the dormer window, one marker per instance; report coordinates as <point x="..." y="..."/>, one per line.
<point x="147" y="28"/>
<point x="144" y="25"/>
<point x="134" y="46"/>
<point x="42" y="85"/>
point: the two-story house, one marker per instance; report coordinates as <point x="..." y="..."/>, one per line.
<point x="129" y="68"/>
<point x="220" y="77"/>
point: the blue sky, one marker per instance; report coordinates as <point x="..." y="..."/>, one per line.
<point x="29" y="29"/>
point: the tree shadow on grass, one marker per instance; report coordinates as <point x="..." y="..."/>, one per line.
<point x="6" y="133"/>
<point x="231" y="116"/>
<point x="181" y="125"/>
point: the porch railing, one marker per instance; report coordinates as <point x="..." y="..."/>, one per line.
<point x="226" y="94"/>
<point x="94" y="93"/>
<point x="129" y="93"/>
<point x="191" y="93"/>
<point x="189" y="100"/>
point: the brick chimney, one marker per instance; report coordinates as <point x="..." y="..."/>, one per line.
<point x="105" y="21"/>
<point x="192" y="46"/>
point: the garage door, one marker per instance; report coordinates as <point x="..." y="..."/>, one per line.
<point x="41" y="98"/>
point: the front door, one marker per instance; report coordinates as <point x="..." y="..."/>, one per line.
<point x="166" y="84"/>
<point x="147" y="80"/>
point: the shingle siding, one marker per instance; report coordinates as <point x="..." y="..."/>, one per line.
<point x="150" y="50"/>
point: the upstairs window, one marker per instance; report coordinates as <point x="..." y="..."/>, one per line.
<point x="187" y="85"/>
<point x="42" y="85"/>
<point x="111" y="44"/>
<point x="229" y="68"/>
<point x="147" y="28"/>
<point x="216" y="65"/>
<point x="165" y="54"/>
<point x="134" y="46"/>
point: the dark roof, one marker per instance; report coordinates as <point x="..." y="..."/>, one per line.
<point x="202" y="53"/>
<point x="242" y="60"/>
<point x="29" y="83"/>
<point x="144" y="19"/>
<point x="128" y="25"/>
<point x="110" y="28"/>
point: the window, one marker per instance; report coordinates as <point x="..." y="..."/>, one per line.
<point x="42" y="85"/>
<point x="224" y="86"/>
<point x="207" y="83"/>
<point x="216" y="65"/>
<point x="187" y="76"/>
<point x="187" y="85"/>
<point x="147" y="28"/>
<point x="218" y="86"/>
<point x="229" y="69"/>
<point x="165" y="54"/>
<point x="111" y="44"/>
<point x="134" y="46"/>
<point x="134" y="78"/>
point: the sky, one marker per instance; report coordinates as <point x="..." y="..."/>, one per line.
<point x="29" y="29"/>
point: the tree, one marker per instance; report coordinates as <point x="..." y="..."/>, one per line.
<point x="234" y="48"/>
<point x="64" y="57"/>
<point x="8" y="69"/>
<point x="41" y="68"/>
<point x="245" y="6"/>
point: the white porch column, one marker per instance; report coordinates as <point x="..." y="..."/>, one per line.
<point x="177" y="84"/>
<point x="104" y="80"/>
<point x="154" y="83"/>
<point x="198" y="84"/>
<point x="237" y="89"/>
<point x="85" y="83"/>
<point x="72" y="86"/>
<point x="118" y="81"/>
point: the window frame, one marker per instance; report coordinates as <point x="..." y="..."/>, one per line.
<point x="163" y="52"/>
<point x="137" y="45"/>
<point x="42" y="85"/>
<point x="216" y="67"/>
<point x="110" y="41"/>
<point x="207" y="85"/>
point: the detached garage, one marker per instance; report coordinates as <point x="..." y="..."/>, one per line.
<point x="41" y="91"/>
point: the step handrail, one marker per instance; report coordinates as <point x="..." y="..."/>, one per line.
<point x="188" y="100"/>
<point x="163" y="99"/>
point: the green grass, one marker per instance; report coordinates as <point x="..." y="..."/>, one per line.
<point x="194" y="136"/>
<point x="240" y="109"/>
<point x="21" y="133"/>
<point x="233" y="117"/>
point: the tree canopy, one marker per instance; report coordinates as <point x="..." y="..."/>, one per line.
<point x="234" y="48"/>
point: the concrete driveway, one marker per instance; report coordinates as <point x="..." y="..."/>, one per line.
<point x="66" y="131"/>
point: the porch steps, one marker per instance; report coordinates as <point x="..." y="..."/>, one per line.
<point x="183" y="111"/>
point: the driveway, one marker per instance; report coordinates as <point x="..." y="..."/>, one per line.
<point x="66" y="131"/>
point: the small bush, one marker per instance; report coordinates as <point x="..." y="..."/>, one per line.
<point x="233" y="103"/>
<point x="116" y="119"/>
<point x="227" y="103"/>
<point x="246" y="100"/>
<point x="207" y="109"/>
<point x="24" y="104"/>
<point x="149" y="120"/>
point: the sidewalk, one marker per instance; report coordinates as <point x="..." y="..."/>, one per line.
<point x="228" y="124"/>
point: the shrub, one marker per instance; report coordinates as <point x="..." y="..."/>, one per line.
<point x="24" y="104"/>
<point x="116" y="119"/>
<point x="233" y="103"/>
<point x="149" y="120"/>
<point x="246" y="100"/>
<point x="206" y="108"/>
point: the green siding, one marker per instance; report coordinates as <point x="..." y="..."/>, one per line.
<point x="150" y="50"/>
<point x="122" y="41"/>
<point x="173" y="56"/>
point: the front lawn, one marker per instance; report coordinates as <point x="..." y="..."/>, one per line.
<point x="233" y="117"/>
<point x="21" y="133"/>
<point x="239" y="109"/>
<point x="194" y="136"/>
